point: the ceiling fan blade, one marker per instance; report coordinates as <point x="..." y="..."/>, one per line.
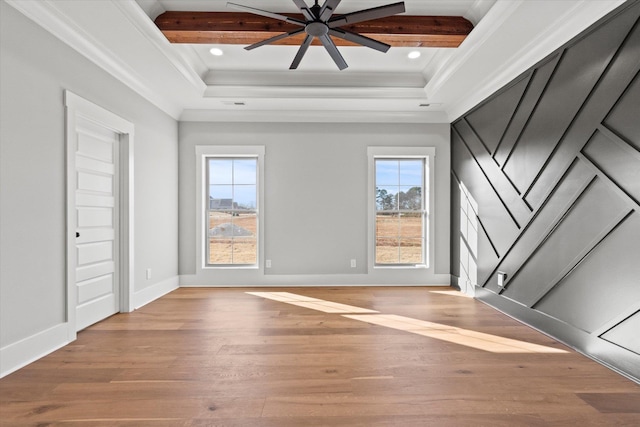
<point x="265" y="13"/>
<point x="303" y="49"/>
<point x="333" y="51"/>
<point x="327" y="9"/>
<point x="367" y="15"/>
<point x="360" y="39"/>
<point x="305" y="10"/>
<point x="274" y="39"/>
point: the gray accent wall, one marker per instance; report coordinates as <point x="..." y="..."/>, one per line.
<point x="551" y="168"/>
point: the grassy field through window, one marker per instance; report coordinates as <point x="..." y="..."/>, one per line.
<point x="399" y="238"/>
<point x="232" y="238"/>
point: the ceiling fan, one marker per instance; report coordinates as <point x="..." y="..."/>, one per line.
<point x="319" y="22"/>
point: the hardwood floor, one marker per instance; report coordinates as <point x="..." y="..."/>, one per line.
<point x="225" y="357"/>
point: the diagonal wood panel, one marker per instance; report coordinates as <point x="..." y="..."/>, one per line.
<point x="537" y="83"/>
<point x="619" y="334"/>
<point x="503" y="187"/>
<point x="617" y="160"/>
<point x="490" y="124"/>
<point x="612" y="84"/>
<point x="585" y="223"/>
<point x="576" y="180"/>
<point x="577" y="73"/>
<point x="622" y="120"/>
<point x="587" y="288"/>
<point x="245" y="28"/>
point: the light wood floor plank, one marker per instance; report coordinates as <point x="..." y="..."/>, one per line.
<point x="224" y="357"/>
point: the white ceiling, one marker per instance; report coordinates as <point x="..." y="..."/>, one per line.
<point x="189" y="83"/>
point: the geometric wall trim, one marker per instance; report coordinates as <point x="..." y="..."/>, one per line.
<point x="552" y="164"/>
<point x="626" y="334"/>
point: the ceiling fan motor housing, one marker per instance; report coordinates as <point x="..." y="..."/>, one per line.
<point x="316" y="29"/>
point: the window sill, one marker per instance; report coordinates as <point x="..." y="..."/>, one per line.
<point x="403" y="267"/>
<point x="231" y="267"/>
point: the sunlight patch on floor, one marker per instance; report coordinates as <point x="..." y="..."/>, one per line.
<point x="479" y="340"/>
<point x="473" y="339"/>
<point x="311" y="303"/>
<point x="451" y="293"/>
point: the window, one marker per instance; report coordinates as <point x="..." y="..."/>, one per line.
<point x="231" y="197"/>
<point x="400" y="212"/>
<point x="400" y="194"/>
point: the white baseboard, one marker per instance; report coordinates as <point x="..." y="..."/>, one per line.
<point x="28" y="350"/>
<point x="210" y="280"/>
<point x="17" y="355"/>
<point x="153" y="292"/>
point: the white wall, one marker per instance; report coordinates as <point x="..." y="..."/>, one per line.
<point x="315" y="201"/>
<point x="35" y="69"/>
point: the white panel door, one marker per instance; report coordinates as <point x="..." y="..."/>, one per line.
<point x="96" y="209"/>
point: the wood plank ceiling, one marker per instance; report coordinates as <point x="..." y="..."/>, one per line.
<point x="245" y="28"/>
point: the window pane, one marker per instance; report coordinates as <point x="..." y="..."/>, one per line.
<point x="244" y="197"/>
<point x="220" y="197"/>
<point x="387" y="250"/>
<point x="387" y="197"/>
<point x="245" y="224"/>
<point x="220" y="250"/>
<point x="410" y="251"/>
<point x="244" y="251"/>
<point x="410" y="198"/>
<point x="223" y="224"/>
<point x="411" y="225"/>
<point x="220" y="171"/>
<point x="411" y="172"/>
<point x="387" y="172"/>
<point x="244" y="171"/>
<point x="233" y="238"/>
<point x="220" y="224"/>
<point x="387" y="225"/>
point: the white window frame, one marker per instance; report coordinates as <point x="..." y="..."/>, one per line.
<point x="427" y="153"/>
<point x="204" y="152"/>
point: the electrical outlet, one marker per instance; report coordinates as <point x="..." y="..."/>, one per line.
<point x="501" y="278"/>
<point x="353" y="263"/>
<point x="148" y="273"/>
<point x="268" y="263"/>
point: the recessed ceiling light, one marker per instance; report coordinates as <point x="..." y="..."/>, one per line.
<point x="414" y="54"/>
<point x="216" y="51"/>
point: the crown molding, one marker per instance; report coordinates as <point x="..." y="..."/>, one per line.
<point x="297" y="92"/>
<point x="303" y="116"/>
<point x="46" y="14"/>
<point x="481" y="34"/>
<point x="152" y="8"/>
<point x="138" y="18"/>
<point x="478" y="10"/>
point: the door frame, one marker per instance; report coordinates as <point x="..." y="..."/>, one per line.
<point x="77" y="106"/>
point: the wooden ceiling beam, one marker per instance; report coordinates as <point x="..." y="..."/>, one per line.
<point x="245" y="28"/>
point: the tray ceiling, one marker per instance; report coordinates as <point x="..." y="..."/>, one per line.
<point x="189" y="83"/>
